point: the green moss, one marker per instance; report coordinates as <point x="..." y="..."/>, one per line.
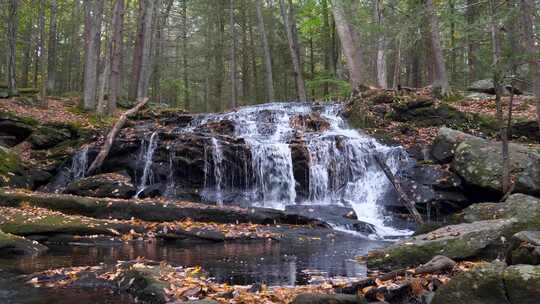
<point x="9" y="162"/>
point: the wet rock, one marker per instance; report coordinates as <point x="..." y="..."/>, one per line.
<point x="312" y="122"/>
<point x="143" y="283"/>
<point x="15" y="245"/>
<point x="334" y="215"/>
<point x="524" y="248"/>
<point x="301" y="160"/>
<point x="14" y="130"/>
<point x="222" y="127"/>
<point x="483" y="239"/>
<point x="392" y="294"/>
<point x="522" y="284"/>
<point x="479" y="163"/>
<point x="314" y="298"/>
<point x="113" y="185"/>
<point x="481" y="285"/>
<point x="439" y="263"/>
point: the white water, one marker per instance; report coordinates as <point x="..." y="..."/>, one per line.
<point x="341" y="172"/>
<point x="79" y="164"/>
<point x="147" y="153"/>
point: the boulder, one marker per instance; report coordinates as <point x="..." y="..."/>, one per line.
<point x="444" y="145"/>
<point x="312" y="122"/>
<point x="46" y="137"/>
<point x="483" y="239"/>
<point x="14" y="130"/>
<point x="334" y="215"/>
<point x="522" y="284"/>
<point x="479" y="161"/>
<point x="486" y="86"/>
<point x="482" y="285"/>
<point x="113" y="185"/>
<point x="524" y="248"/>
<point x="316" y="298"/>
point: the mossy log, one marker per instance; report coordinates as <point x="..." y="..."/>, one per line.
<point x="154" y="211"/>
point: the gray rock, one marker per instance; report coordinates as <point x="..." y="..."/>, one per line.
<point x="103" y="185"/>
<point x="522" y="284"/>
<point x="524" y="248"/>
<point x="445" y="144"/>
<point x="15" y="245"/>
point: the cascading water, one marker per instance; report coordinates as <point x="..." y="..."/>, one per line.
<point x="79" y="164"/>
<point x="147" y="153"/>
<point x="342" y="169"/>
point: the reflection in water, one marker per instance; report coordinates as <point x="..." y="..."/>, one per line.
<point x="270" y="262"/>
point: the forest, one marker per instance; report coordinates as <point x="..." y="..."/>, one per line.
<point x="270" y="151"/>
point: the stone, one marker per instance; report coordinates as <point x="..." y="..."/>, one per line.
<point x="444" y="145"/>
<point x="312" y="122"/>
<point x="522" y="284"/>
<point x="524" y="248"/>
<point x="315" y="298"/>
<point x="482" y="285"/>
<point x="13" y="130"/>
<point x="483" y="239"/>
<point x="439" y="263"/>
<point x="46" y="137"/>
<point x="334" y="215"/>
<point x="113" y="185"/>
<point x="486" y="86"/>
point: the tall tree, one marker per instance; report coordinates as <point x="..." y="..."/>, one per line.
<point x="350" y="42"/>
<point x="51" y="52"/>
<point x="187" y="101"/>
<point x="146" y="54"/>
<point x="528" y="8"/>
<point x="93" y="16"/>
<point x="269" y="78"/>
<point x="116" y="53"/>
<point x="234" y="86"/>
<point x="41" y="50"/>
<point x="294" y="48"/>
<point x="12" y="45"/>
<point x="441" y="76"/>
<point x="381" y="46"/>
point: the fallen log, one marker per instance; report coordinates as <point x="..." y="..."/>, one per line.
<point x="104" y="152"/>
<point x="403" y="197"/>
<point x="152" y="211"/>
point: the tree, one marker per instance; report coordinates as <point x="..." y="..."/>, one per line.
<point x="269" y="78"/>
<point x="350" y="42"/>
<point x="116" y="53"/>
<point x="234" y="85"/>
<point x="441" y="77"/>
<point x="294" y="48"/>
<point x="381" y="46"/>
<point x="51" y="58"/>
<point x="93" y="19"/>
<point x="12" y="45"/>
<point x="41" y="50"/>
<point x="527" y="8"/>
<point x="146" y="54"/>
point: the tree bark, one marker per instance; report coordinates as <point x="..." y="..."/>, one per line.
<point x="381" y="46"/>
<point x="528" y="7"/>
<point x="350" y="42"/>
<point x="470" y="16"/>
<point x="104" y="152"/>
<point x="269" y="78"/>
<point x="146" y="55"/>
<point x="290" y="25"/>
<point x="116" y="53"/>
<point x="441" y="76"/>
<point x="41" y="61"/>
<point x="137" y="51"/>
<point x="94" y="15"/>
<point x="12" y="45"/>
<point x="51" y="53"/>
<point x="187" y="101"/>
<point x="234" y="86"/>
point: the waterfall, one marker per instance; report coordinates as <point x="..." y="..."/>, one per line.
<point x="79" y="164"/>
<point x="147" y="153"/>
<point x="336" y="163"/>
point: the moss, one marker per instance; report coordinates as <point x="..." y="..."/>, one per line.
<point x="12" y="244"/>
<point x="9" y="163"/>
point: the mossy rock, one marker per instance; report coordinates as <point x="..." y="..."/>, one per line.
<point x="459" y="242"/>
<point x="522" y="284"/>
<point x="46" y="137"/>
<point x="15" y="245"/>
<point x="319" y="298"/>
<point x="482" y="285"/>
<point x="143" y="282"/>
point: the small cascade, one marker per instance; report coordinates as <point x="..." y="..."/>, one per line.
<point x="147" y="153"/>
<point x="217" y="164"/>
<point x="79" y="164"/>
<point x="171" y="187"/>
<point x="273" y="174"/>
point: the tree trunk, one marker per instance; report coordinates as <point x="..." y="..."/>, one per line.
<point x="94" y="15"/>
<point x="234" y="86"/>
<point x="528" y="7"/>
<point x="146" y="55"/>
<point x="292" y="38"/>
<point x="441" y="76"/>
<point x="41" y="61"/>
<point x="27" y="51"/>
<point x="51" y="53"/>
<point x="350" y="42"/>
<point x="470" y="15"/>
<point x="269" y="78"/>
<point x="116" y="53"/>
<point x="187" y="101"/>
<point x="381" y="47"/>
<point x="12" y="45"/>
<point x="137" y="51"/>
